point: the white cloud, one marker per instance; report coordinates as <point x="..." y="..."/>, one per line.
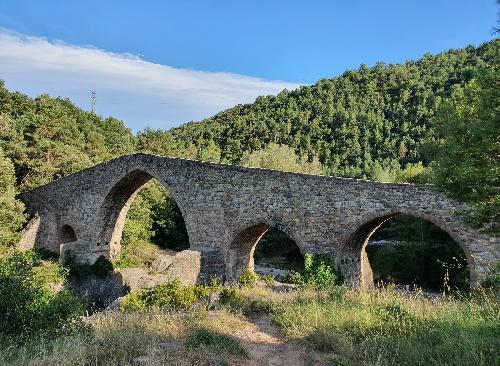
<point x="141" y="93"/>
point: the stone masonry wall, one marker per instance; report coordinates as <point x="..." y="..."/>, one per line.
<point x="221" y="203"/>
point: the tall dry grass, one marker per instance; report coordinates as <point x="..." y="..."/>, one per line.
<point x="388" y="328"/>
<point x="151" y="337"/>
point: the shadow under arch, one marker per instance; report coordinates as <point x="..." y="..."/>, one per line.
<point x="355" y="265"/>
<point x="66" y="234"/>
<point x="116" y="204"/>
<point x="242" y="247"/>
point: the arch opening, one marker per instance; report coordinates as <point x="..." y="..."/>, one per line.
<point x="267" y="250"/>
<point x="141" y="220"/>
<point x="67" y="234"/>
<point x="412" y="253"/>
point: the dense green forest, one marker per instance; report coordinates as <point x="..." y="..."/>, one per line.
<point x="353" y="123"/>
<point x="386" y="122"/>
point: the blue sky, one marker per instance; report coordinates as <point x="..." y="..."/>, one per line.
<point x="162" y="63"/>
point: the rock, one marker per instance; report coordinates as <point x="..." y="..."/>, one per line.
<point x="186" y="267"/>
<point x="283" y="287"/>
<point x="162" y="262"/>
<point x="137" y="278"/>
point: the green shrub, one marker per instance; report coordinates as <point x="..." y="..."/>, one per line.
<point x="230" y="295"/>
<point x="268" y="279"/>
<point x="132" y="302"/>
<point x="319" y="272"/>
<point x="171" y="295"/>
<point x="293" y="277"/>
<point x="204" y="290"/>
<point x="234" y="299"/>
<point x="27" y="305"/>
<point x="101" y="268"/>
<point x="216" y="341"/>
<point x="248" y="277"/>
<point x="492" y="280"/>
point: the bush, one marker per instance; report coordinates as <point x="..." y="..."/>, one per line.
<point x="204" y="290"/>
<point x="101" y="268"/>
<point x="319" y="272"/>
<point x="230" y="296"/>
<point x="132" y="302"/>
<point x="268" y="279"/>
<point x="171" y="295"/>
<point x="27" y="305"/>
<point x="248" y="277"/>
<point x="492" y="280"/>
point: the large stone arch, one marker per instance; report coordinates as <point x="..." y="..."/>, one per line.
<point x="354" y="263"/>
<point x="244" y="240"/>
<point x="112" y="212"/>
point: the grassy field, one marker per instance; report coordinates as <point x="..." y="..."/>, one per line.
<point x="338" y="326"/>
<point x="387" y="328"/>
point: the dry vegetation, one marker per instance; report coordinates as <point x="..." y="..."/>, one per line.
<point x="337" y="326"/>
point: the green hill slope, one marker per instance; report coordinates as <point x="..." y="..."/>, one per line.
<point x="379" y="115"/>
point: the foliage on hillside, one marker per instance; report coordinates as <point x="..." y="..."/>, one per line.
<point x="281" y="157"/>
<point x="11" y="210"/>
<point x="467" y="153"/>
<point x="48" y="138"/>
<point x="362" y="121"/>
<point x="356" y="123"/>
<point x="28" y="304"/>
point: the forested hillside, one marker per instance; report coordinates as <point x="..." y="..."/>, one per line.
<point x="372" y="116"/>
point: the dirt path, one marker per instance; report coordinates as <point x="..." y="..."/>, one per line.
<point x="266" y="345"/>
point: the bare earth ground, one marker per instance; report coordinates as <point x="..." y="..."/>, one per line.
<point x="266" y="346"/>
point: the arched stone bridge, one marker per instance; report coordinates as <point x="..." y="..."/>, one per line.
<point x="228" y="208"/>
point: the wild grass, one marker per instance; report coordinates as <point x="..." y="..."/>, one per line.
<point x="138" y="254"/>
<point x="339" y="326"/>
<point x="387" y="328"/>
<point x="152" y="337"/>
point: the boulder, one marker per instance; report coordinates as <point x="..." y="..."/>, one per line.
<point x="138" y="278"/>
<point x="162" y="262"/>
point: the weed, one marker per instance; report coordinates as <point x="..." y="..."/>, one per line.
<point x="248" y="277"/>
<point x="216" y="341"/>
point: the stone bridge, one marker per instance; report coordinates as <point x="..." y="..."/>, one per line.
<point x="227" y="209"/>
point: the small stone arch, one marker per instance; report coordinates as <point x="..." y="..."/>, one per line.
<point x="354" y="263"/>
<point x="67" y="234"/>
<point x="116" y="204"/>
<point x="242" y="248"/>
